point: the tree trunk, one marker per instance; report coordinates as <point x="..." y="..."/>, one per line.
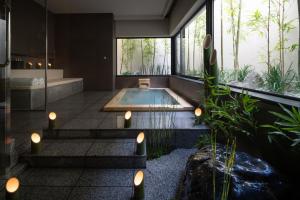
<point x="268" y="35"/>
<point x="233" y="33"/>
<point x="188" y="50"/>
<point x="142" y="51"/>
<point x="237" y="43"/>
<point x="195" y="32"/>
<point x="282" y="35"/>
<point x="122" y="59"/>
<point x="279" y="32"/>
<point x="222" y="56"/>
<point x="153" y="61"/>
<point x="165" y="54"/>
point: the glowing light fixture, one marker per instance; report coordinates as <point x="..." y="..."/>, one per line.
<point x="198" y="112"/>
<point x="39" y="65"/>
<point x="140" y="144"/>
<point x="139" y="186"/>
<point x="52" y="119"/>
<point x="36" y="144"/>
<point x="127" y="122"/>
<point x="198" y="115"/>
<point x="12" y="186"/>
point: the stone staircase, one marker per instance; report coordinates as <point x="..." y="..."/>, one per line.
<point x="87" y="152"/>
<point x="100" y="148"/>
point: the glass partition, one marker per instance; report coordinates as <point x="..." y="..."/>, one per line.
<point x="4" y="82"/>
<point x="189" y="50"/>
<point x="258" y="44"/>
<point x="144" y="56"/>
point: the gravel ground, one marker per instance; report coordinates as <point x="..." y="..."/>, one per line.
<point x="162" y="176"/>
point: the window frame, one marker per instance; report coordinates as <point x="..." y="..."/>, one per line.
<point x="150" y="75"/>
<point x="209" y="4"/>
<point x="179" y="32"/>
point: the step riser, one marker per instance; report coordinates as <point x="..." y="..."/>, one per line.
<point x="132" y="162"/>
<point x="180" y="139"/>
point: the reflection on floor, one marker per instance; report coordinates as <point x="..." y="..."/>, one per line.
<point x="161" y="181"/>
<point x="82" y="112"/>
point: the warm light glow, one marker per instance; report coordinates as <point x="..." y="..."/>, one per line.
<point x="52" y="115"/>
<point x="198" y="112"/>
<point x="30" y="63"/>
<point x="39" y="64"/>
<point x="35" y="138"/>
<point x="49" y="64"/>
<point x="140" y="137"/>
<point x="138" y="179"/>
<point x="12" y="185"/>
<point x="128" y="115"/>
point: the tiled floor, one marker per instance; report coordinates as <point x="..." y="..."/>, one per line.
<point x="83" y="184"/>
<point x="82" y="111"/>
<point x="161" y="181"/>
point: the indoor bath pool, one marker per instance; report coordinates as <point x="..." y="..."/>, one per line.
<point x="137" y="99"/>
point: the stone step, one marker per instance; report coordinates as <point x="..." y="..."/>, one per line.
<point x="182" y="138"/>
<point x="96" y="153"/>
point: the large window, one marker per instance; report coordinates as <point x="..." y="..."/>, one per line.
<point x="258" y="44"/>
<point x="189" y="59"/>
<point x="144" y="56"/>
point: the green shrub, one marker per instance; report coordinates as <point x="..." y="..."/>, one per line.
<point x="229" y="113"/>
<point x="127" y="73"/>
<point x="203" y="140"/>
<point x="287" y="125"/>
<point x="241" y="74"/>
<point x="226" y="76"/>
<point x="277" y="81"/>
<point x="160" y="134"/>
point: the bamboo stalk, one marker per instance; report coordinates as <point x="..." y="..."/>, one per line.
<point x="214" y="67"/>
<point x="237" y="42"/>
<point x="222" y="50"/>
<point x="207" y="48"/>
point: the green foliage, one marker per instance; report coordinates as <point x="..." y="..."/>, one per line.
<point x="195" y="72"/>
<point x="277" y="81"/>
<point x="203" y="141"/>
<point x="231" y="114"/>
<point x="297" y="83"/>
<point x="287" y="125"/>
<point x="160" y="133"/>
<point x="148" y="51"/>
<point x="241" y="74"/>
<point x="226" y="76"/>
<point x="128" y="48"/>
<point x="229" y="163"/>
<point x="258" y="23"/>
<point x="201" y="27"/>
<point x="127" y="73"/>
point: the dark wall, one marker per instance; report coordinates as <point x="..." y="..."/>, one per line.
<point x="82" y="41"/>
<point x="191" y="90"/>
<point x="28" y="30"/>
<point x="132" y="82"/>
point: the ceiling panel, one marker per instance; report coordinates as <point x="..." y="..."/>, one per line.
<point x="122" y="9"/>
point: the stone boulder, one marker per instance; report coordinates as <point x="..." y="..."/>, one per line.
<point x="251" y="178"/>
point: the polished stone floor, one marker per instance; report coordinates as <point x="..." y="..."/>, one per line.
<point x="162" y="179"/>
<point x="83" y="111"/>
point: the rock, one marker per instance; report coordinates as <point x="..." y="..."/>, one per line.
<point x="253" y="80"/>
<point x="251" y="178"/>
